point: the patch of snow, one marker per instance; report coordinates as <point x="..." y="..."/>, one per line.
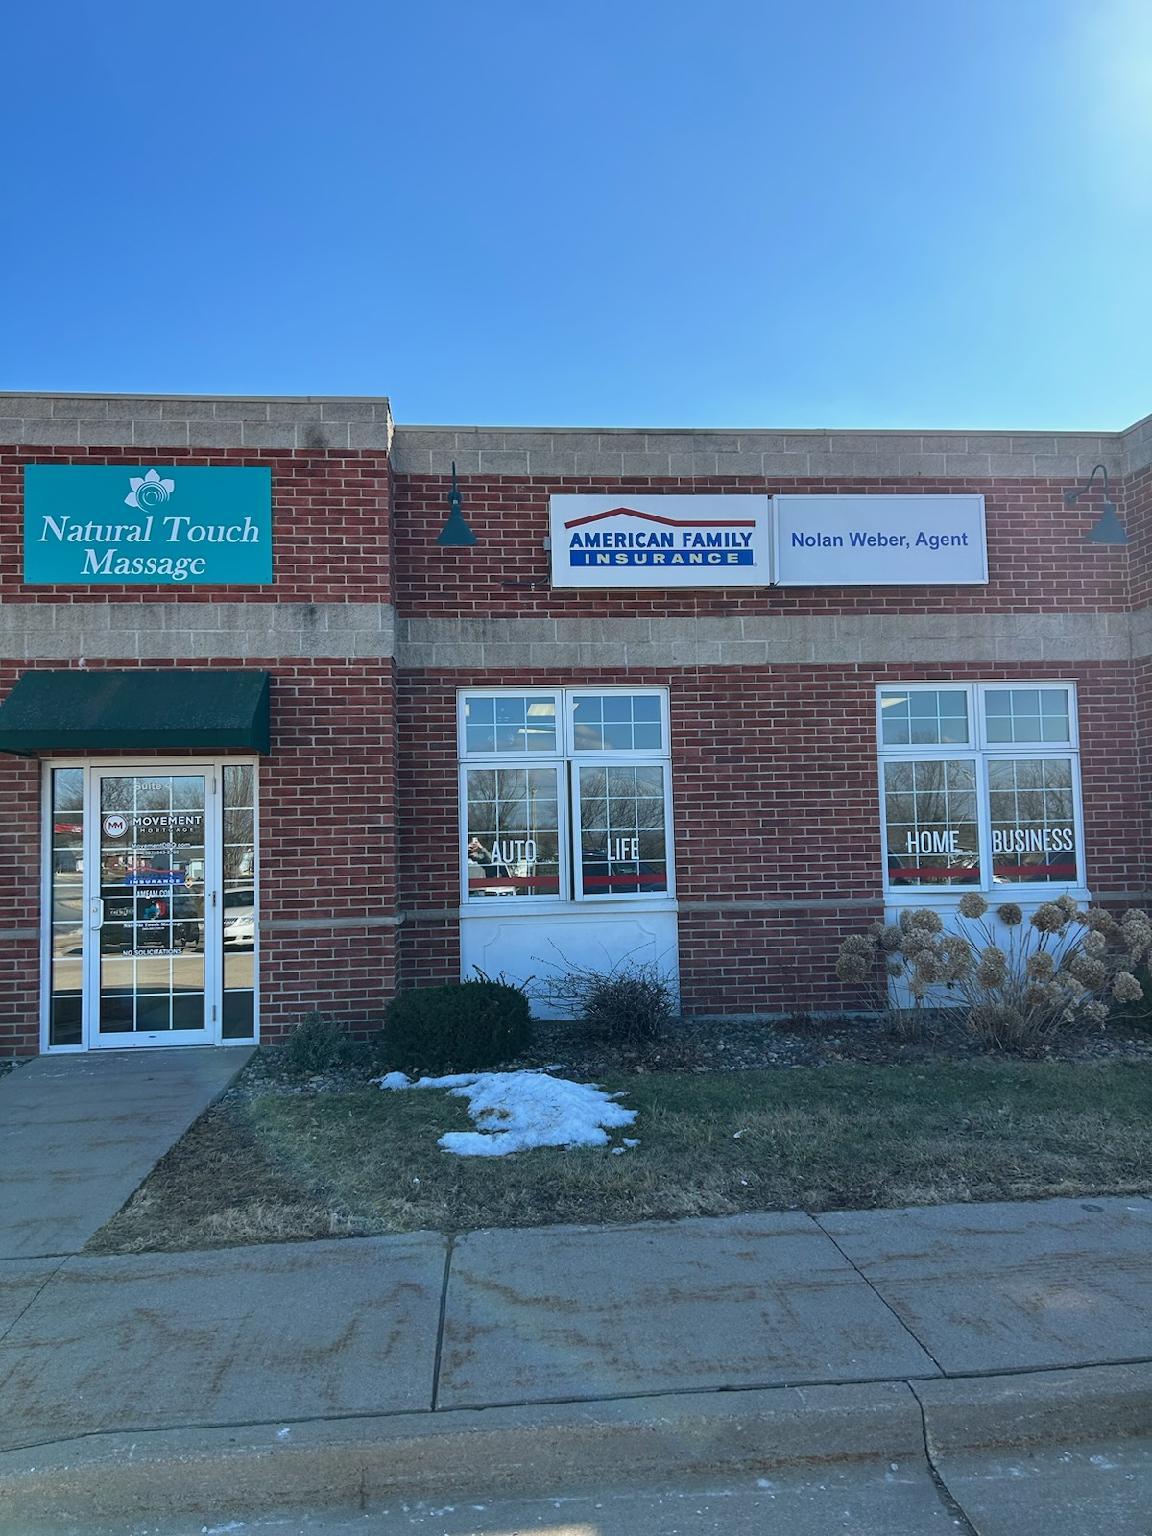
<point x="516" y="1111"/>
<point x="631" y="1141"/>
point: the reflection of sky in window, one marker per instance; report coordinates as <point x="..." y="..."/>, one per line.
<point x="1026" y="714"/>
<point x="515" y="723"/>
<point x="924" y="718"/>
<point x="617" y="723"/>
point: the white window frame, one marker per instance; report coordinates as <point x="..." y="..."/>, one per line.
<point x="567" y="762"/>
<point x="131" y="763"/>
<point x="978" y="751"/>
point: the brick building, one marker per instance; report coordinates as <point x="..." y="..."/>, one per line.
<point x="328" y="756"/>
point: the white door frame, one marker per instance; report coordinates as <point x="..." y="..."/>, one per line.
<point x="95" y="770"/>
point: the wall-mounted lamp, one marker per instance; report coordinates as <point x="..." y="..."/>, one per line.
<point x="1107" y="529"/>
<point x="455" y="532"/>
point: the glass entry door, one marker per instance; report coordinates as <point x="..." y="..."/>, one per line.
<point x="150" y="880"/>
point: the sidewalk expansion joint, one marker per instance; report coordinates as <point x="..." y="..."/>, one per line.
<point x="442" y="1413"/>
<point x="25" y="1258"/>
<point x="959" y="1518"/>
<point x="448" y="1252"/>
<point x="900" y="1323"/>
<point x="34" y="1299"/>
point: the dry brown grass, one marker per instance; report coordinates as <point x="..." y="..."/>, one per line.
<point x="291" y="1167"/>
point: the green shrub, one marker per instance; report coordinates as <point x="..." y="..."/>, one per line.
<point x="317" y="1044"/>
<point x="468" y="1027"/>
<point x="628" y="1005"/>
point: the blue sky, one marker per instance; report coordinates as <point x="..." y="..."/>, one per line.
<point x="873" y="213"/>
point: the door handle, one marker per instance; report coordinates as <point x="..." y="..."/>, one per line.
<point x="96" y="913"/>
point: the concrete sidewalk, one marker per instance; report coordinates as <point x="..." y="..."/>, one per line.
<point x="79" y="1133"/>
<point x="375" y="1352"/>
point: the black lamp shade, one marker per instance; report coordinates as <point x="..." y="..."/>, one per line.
<point x="1108" y="529"/>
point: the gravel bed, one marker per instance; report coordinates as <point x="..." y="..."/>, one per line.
<point x="715" y="1046"/>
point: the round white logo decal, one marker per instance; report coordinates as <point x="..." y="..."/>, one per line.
<point x="115" y="826"/>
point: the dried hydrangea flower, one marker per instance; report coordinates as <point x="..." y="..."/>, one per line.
<point x="992" y="967"/>
<point x="924" y="917"/>
<point x="972" y="904"/>
<point x="1010" y="914"/>
<point x="1041" y="965"/>
<point x="1049" y="918"/>
<point x="1126" y="989"/>
<point x="1093" y="973"/>
<point x="1100" y="921"/>
<point x="853" y="967"/>
<point x="958" y="958"/>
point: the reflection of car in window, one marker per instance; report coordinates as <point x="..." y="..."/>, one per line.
<point x="240" y="918"/>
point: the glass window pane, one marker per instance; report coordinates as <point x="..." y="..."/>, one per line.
<point x="617" y="722"/>
<point x="239" y="784"/>
<point x="66" y="975"/>
<point x="927" y="717"/>
<point x="1027" y="714"/>
<point x="512" y="832"/>
<point x="931" y="830"/>
<point x="513" y="723"/>
<point x="1033" y="834"/>
<point x="622" y="819"/>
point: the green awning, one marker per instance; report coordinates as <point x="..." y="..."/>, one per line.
<point x="82" y="711"/>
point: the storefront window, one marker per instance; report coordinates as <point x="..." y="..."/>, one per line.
<point x="66" y="981"/>
<point x="513" y="832"/>
<point x="988" y="815"/>
<point x="239" y="902"/>
<point x="591" y="824"/>
<point x="1033" y="825"/>
<point x="622" y="831"/>
<point x="931" y="826"/>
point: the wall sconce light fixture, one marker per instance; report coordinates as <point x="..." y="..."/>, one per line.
<point x="1107" y="529"/>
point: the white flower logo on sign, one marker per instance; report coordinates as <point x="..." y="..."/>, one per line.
<point x="148" y="490"/>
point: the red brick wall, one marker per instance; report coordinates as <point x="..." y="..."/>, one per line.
<point x="775" y="801"/>
<point x="330" y="526"/>
<point x="1036" y="553"/>
<point x="19" y="896"/>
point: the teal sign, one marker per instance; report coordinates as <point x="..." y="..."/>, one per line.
<point x="147" y="525"/>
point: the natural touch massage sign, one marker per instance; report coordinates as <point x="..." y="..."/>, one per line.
<point x="135" y="525"/>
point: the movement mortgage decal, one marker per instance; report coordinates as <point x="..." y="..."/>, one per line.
<point x="659" y="541"/>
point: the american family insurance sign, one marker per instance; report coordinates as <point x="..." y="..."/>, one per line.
<point x="660" y="541"/>
<point x="760" y="541"/>
<point x="146" y="525"/>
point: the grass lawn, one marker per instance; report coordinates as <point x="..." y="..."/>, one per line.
<point x="298" y="1166"/>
